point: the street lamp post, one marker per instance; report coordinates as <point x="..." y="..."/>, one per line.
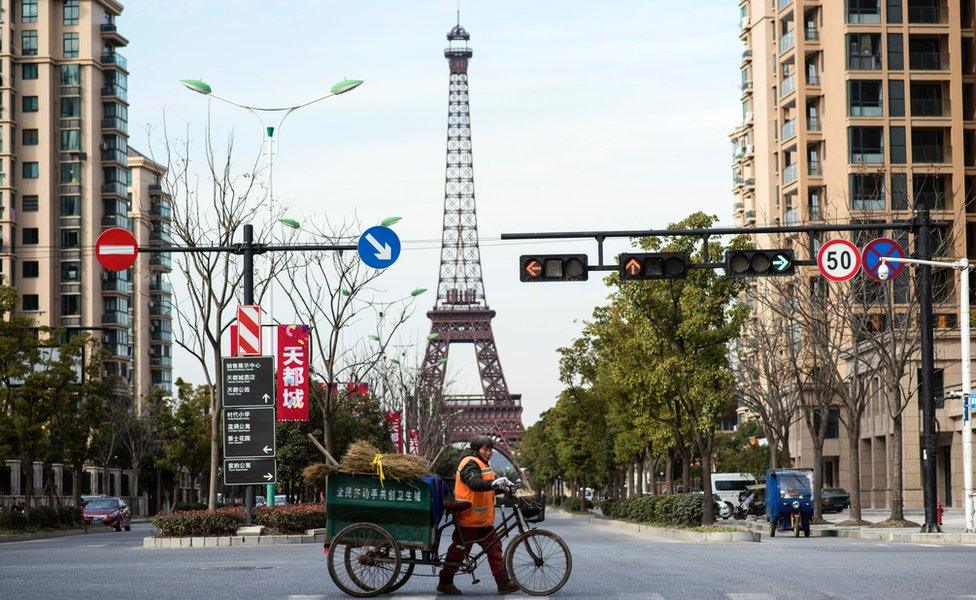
<point x="963" y="267"/>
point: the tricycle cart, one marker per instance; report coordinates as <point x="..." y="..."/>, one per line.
<point x="789" y="500"/>
<point x="378" y="532"/>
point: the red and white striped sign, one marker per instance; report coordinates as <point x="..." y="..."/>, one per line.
<point x="249" y="330"/>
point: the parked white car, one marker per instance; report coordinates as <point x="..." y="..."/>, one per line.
<point x="726" y="488"/>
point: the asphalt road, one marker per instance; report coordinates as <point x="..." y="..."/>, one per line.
<point x="605" y="565"/>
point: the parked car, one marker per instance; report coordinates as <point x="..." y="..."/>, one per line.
<point x="726" y="488"/>
<point x="835" y="499"/>
<point x="108" y="511"/>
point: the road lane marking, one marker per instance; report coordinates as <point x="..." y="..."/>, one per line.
<point x="748" y="596"/>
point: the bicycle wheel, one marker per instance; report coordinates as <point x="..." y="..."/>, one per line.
<point x="364" y="560"/>
<point x="539" y="562"/>
<point x="404" y="574"/>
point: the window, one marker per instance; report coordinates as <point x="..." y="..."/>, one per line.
<point x="70" y="173"/>
<point x="864" y="51"/>
<point x="29" y="203"/>
<point x="928" y="145"/>
<point x="896" y="52"/>
<point x="70" y="206"/>
<point x="31" y="302"/>
<point x="71" y="45"/>
<point x="863" y="11"/>
<point x="938" y="386"/>
<point x="31" y="170"/>
<point x="70" y="238"/>
<point x="29" y="268"/>
<point x="927" y="99"/>
<point x="28" y="11"/>
<point x="70" y="140"/>
<point x="896" y="139"/>
<point x="867" y="145"/>
<point x="925" y="53"/>
<point x="29" y="137"/>
<point x="867" y="192"/>
<point x="71" y="12"/>
<point x="931" y="190"/>
<point x="896" y="98"/>
<point x="70" y="108"/>
<point x="70" y="304"/>
<point x="28" y="43"/>
<point x="28" y="71"/>
<point x="70" y="75"/>
<point x="899" y="191"/>
<point x="894" y="11"/>
<point x="864" y="98"/>
<point x="30" y="236"/>
<point x="833" y="423"/>
<point x="29" y="104"/>
<point x="70" y="271"/>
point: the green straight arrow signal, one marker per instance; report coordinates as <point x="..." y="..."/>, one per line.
<point x="781" y="262"/>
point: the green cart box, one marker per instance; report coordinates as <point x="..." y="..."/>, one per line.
<point x="401" y="507"/>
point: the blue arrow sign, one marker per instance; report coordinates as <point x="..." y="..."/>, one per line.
<point x="379" y="247"/>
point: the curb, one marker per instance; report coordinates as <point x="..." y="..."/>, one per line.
<point x="681" y="535"/>
<point x="249" y="541"/>
<point x="881" y="535"/>
<point x="41" y="535"/>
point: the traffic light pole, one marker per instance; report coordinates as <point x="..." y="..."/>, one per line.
<point x="248" y="249"/>
<point x="920" y="226"/>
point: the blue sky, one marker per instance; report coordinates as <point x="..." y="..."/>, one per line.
<point x="583" y="117"/>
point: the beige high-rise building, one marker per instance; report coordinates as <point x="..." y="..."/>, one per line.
<point x="65" y="177"/>
<point x="860" y="110"/>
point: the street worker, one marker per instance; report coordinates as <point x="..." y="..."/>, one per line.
<point x="476" y="483"/>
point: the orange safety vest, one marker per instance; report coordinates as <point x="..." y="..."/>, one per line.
<point x="482" y="511"/>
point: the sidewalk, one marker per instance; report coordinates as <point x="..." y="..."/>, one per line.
<point x="952" y="528"/>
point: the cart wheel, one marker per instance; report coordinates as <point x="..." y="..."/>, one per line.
<point x="364" y="560"/>
<point x="405" y="574"/>
<point x="796" y="525"/>
<point x="772" y="528"/>
<point x="539" y="562"/>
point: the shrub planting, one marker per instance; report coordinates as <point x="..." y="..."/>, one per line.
<point x="681" y="510"/>
<point x="287" y="519"/>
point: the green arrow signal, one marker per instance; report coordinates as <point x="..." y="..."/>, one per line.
<point x="781" y="262"/>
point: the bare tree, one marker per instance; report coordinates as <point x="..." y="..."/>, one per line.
<point x="212" y="213"/>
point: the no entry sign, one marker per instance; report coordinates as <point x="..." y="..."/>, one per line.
<point x="839" y="260"/>
<point x="116" y="249"/>
<point x="875" y="250"/>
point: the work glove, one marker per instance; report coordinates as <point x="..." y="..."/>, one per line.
<point x="502" y="483"/>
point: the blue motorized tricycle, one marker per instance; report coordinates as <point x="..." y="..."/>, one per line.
<point x="789" y="500"/>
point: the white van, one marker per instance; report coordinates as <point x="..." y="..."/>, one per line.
<point x="726" y="488"/>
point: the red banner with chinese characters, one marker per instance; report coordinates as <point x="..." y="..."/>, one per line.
<point x="394" y="422"/>
<point x="293" y="357"/>
<point x="413" y="444"/>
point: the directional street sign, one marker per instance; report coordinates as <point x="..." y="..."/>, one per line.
<point x="839" y="260"/>
<point x="116" y="249"/>
<point x="247" y="381"/>
<point x="250" y="471"/>
<point x="875" y="250"/>
<point x="379" y="247"/>
<point x="249" y="432"/>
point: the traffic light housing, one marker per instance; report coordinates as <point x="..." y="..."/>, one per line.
<point x="553" y="267"/>
<point x="759" y="263"/>
<point x="653" y="265"/>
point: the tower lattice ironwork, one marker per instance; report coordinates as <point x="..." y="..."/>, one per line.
<point x="461" y="314"/>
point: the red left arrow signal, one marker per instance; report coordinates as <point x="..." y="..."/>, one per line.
<point x="633" y="267"/>
<point x="533" y="268"/>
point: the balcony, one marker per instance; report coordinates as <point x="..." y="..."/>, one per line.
<point x="115" y="123"/>
<point x="115" y="187"/>
<point x="161" y="361"/>
<point x="158" y="335"/>
<point x="815" y="169"/>
<point x="737" y="207"/>
<point x="927" y="15"/>
<point x="747" y="86"/>
<point x="788" y="87"/>
<point x="117" y="221"/>
<point x="111" y="90"/>
<point x="161" y="309"/>
<point x="108" y="28"/>
<point x="115" y="156"/>
<point x="116" y="286"/>
<point x="747" y="55"/>
<point x="116" y="318"/>
<point x="868" y="204"/>
<point x="929" y="153"/>
<point x="161" y="259"/>
<point x="864" y="62"/>
<point x="111" y="32"/>
<point x="813" y="123"/>
<point x="792" y="217"/>
<point x="749" y="183"/>
<point x="789" y="173"/>
<point x="930" y="107"/>
<point x="928" y="61"/>
<point x="162" y="287"/>
<point x="749" y="216"/>
<point x="811" y="34"/>
<point x="788" y="130"/>
<point x="862" y="16"/>
<point x="787" y="41"/>
<point x="162" y="210"/>
<point x="116" y="59"/>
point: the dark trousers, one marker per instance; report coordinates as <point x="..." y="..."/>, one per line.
<point x="484" y="537"/>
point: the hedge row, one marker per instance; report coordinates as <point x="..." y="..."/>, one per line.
<point x="682" y="510"/>
<point x="287" y="519"/>
<point x="41" y="517"/>
<point x="576" y="505"/>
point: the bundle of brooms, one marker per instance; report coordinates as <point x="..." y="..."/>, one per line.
<point x="361" y="458"/>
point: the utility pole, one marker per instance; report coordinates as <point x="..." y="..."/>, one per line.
<point x="927" y="348"/>
<point x="247" y="252"/>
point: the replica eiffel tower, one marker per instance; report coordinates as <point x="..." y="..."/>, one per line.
<point x="461" y="314"/>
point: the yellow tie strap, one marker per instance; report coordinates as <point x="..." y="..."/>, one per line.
<point x="378" y="465"/>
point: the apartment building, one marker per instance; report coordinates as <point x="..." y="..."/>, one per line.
<point x="65" y="177"/>
<point x="861" y="110"/>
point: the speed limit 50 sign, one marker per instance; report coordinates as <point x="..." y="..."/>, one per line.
<point x="839" y="260"/>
